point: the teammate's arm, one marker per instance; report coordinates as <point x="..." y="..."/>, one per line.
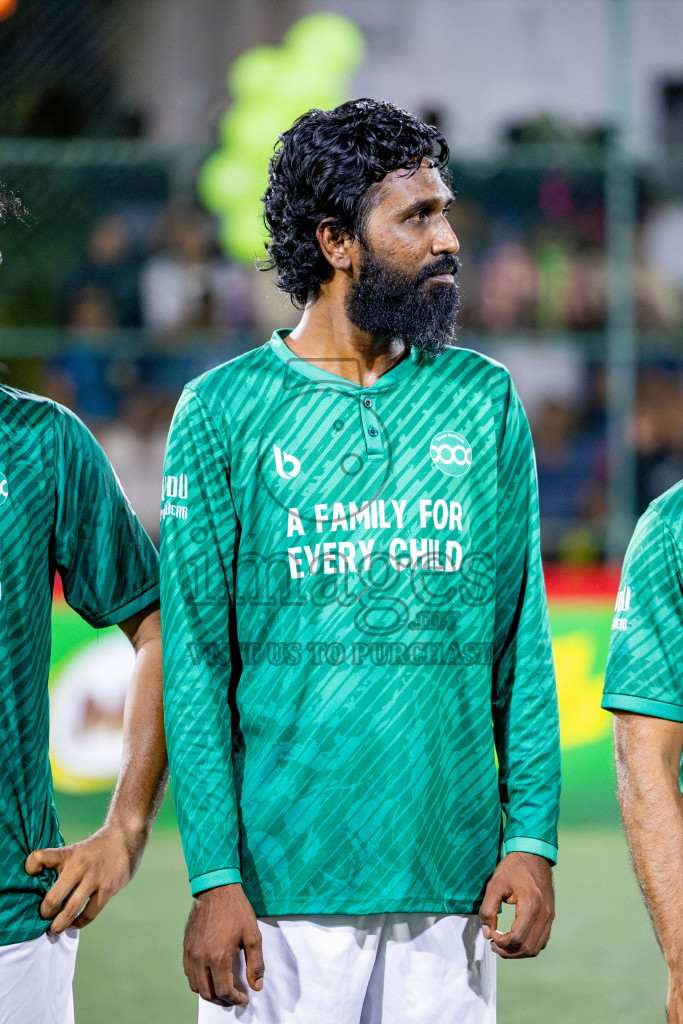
<point x="524" y="706"/>
<point x="648" y="756"/>
<point x="92" y="871"/>
<point x="199" y="542"/>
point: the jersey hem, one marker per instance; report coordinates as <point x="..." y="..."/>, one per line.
<point x="144" y="598"/>
<point x="410" y="905"/>
<point x="642" y="705"/>
<point x="11" y="938"/>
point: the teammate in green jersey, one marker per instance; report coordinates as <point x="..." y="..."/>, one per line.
<point x="62" y="510"/>
<point x="354" y="618"/>
<point x="644" y="690"/>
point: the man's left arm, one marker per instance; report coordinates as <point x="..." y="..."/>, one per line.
<point x="110" y="574"/>
<point x="94" y="870"/>
<point x="524" y="706"/>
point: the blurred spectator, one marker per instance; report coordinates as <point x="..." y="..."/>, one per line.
<point x="508" y="289"/>
<point x="188" y="286"/>
<point x="108" y="265"/>
<point x="564" y="461"/>
<point x="543" y="372"/>
<point x="135" y="443"/>
<point x="658" y="434"/>
<point x="86" y="367"/>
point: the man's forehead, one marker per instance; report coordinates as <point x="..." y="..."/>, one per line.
<point x="405" y="186"/>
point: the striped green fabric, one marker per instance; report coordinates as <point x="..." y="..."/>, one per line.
<point x="643" y="668"/>
<point x="351" y="595"/>
<point x="61" y="509"/>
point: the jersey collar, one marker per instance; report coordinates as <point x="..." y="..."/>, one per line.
<point x="396" y="375"/>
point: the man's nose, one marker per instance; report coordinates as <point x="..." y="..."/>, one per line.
<point x="445" y="239"/>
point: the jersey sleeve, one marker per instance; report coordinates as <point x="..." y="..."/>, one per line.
<point x="108" y="565"/>
<point x="525" y="712"/>
<point x="199" y="535"/>
<point x="644" y="665"/>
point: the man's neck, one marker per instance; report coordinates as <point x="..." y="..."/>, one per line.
<point x="326" y="337"/>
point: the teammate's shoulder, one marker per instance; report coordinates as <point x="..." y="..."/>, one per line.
<point x="23" y="410"/>
<point x="226" y="378"/>
<point x="668" y="507"/>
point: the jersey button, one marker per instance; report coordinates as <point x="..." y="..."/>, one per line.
<point x="367" y="402"/>
<point x="373" y="431"/>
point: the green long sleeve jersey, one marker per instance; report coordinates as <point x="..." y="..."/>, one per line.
<point x="355" y="627"/>
<point x="643" y="669"/>
<point x="61" y="509"/>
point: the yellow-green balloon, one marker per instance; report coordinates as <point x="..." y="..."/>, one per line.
<point x="272" y="86"/>
<point x="327" y="40"/>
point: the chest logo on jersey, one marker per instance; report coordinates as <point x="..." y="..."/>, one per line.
<point x="287" y="466"/>
<point x="451" y="453"/>
<point x="4" y="489"/>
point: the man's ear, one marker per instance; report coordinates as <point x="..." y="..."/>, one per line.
<point x="336" y="246"/>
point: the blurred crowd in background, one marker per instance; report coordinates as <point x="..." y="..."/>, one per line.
<point x="117" y="292"/>
<point x="147" y="301"/>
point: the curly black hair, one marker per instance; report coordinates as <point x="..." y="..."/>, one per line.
<point x="323" y="168"/>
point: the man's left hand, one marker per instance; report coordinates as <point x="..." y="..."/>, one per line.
<point x="89" y="874"/>
<point x="525" y="880"/>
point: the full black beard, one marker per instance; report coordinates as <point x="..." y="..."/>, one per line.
<point x="387" y="302"/>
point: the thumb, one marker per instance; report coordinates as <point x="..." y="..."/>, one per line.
<point x="255" y="967"/>
<point x="48" y="858"/>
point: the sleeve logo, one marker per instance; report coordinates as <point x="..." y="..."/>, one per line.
<point x="175" y="487"/>
<point x="451" y="453"/>
<point x="4" y="489"/>
<point x="623" y="604"/>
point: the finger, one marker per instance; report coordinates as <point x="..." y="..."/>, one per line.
<point x="253" y="951"/>
<point x="227" y="992"/>
<point x="71" y="908"/>
<point x="38" y="860"/>
<point x="59" y="893"/>
<point x="190" y="972"/>
<point x="513" y="940"/>
<point x="526" y="938"/>
<point x="488" y="911"/>
<point x="205" y="983"/>
<point x="93" y="907"/>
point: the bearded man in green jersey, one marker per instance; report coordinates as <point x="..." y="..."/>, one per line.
<point x="644" y="690"/>
<point x="354" y="618"/>
<point x="62" y="510"/>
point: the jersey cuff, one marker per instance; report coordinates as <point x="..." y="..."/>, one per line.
<point x="148" y="596"/>
<point x="524" y="844"/>
<point x="210" y="879"/>
<point x="642" y="705"/>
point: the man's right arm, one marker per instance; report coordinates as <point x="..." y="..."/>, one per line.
<point x="648" y="756"/>
<point x="198" y="545"/>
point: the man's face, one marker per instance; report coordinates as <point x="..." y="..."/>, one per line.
<point x="405" y="283"/>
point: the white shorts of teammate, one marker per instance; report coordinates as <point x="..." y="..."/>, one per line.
<point x="377" y="969"/>
<point x="35" y="979"/>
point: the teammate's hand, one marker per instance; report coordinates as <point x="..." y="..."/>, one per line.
<point x="89" y="873"/>
<point x="221" y="923"/>
<point x="525" y="880"/>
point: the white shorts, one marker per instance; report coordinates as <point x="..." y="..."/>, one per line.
<point x="35" y="979"/>
<point x="378" y="969"/>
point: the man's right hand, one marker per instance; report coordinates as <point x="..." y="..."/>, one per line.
<point x="221" y="923"/>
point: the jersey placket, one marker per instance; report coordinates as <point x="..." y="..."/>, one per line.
<point x="370" y="425"/>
